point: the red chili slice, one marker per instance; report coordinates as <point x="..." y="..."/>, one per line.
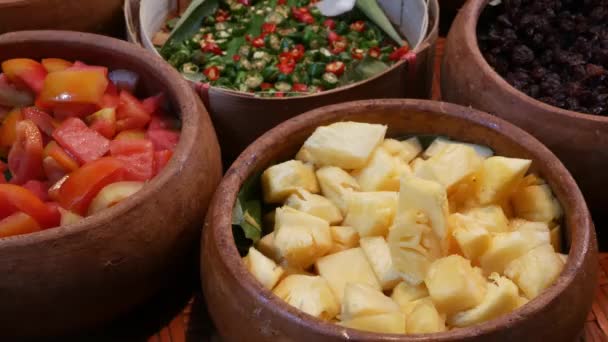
<point x="212" y="73"/>
<point x="336" y="68"/>
<point x="358" y="26"/>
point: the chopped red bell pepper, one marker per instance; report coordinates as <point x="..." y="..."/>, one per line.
<point x="8" y="129"/>
<point x="358" y="26"/>
<point x="25" y="156"/>
<point x="55" y="64"/>
<point x="212" y="73"/>
<point x="14" y="198"/>
<point x="336" y="68"/>
<point x="137" y="156"/>
<point x="38" y="188"/>
<point x="80" y="141"/>
<point x="42" y="119"/>
<point x="163" y="139"/>
<point x="18" y="223"/>
<point x="161" y="159"/>
<point x="25" y="72"/>
<point x="130" y="113"/>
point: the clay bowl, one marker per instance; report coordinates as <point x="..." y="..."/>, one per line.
<point x="240" y="118"/>
<point x="579" y="140"/>
<point x="244" y="311"/>
<point x="103" y="16"/>
<point x="78" y="276"/>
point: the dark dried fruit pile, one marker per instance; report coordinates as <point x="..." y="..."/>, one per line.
<point x="553" y="50"/>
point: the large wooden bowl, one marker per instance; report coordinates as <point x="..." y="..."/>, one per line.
<point x="241" y="118"/>
<point x="77" y="276"/>
<point x="579" y="140"/>
<point x="244" y="311"/>
<point x="104" y="16"/>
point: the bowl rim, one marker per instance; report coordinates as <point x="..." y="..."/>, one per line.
<point x="245" y="165"/>
<point x="178" y="93"/>
<point x="472" y="10"/>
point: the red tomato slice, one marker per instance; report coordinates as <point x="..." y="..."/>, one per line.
<point x="154" y="103"/>
<point x="54" y="172"/>
<point x="25" y="157"/>
<point x="25" y="72"/>
<point x="82" y="185"/>
<point x="163" y="139"/>
<point x="44" y="121"/>
<point x="53" y="150"/>
<point x="17" y="224"/>
<point x="55" y="64"/>
<point x="104" y="122"/>
<point x="8" y="129"/>
<point x="80" y="141"/>
<point x="137" y="156"/>
<point x="161" y="159"/>
<point x="131" y="114"/>
<point x="163" y="121"/>
<point x="38" y="188"/>
<point x="80" y="86"/>
<point x="14" y="198"/>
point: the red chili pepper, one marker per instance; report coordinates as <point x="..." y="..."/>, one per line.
<point x="236" y="58"/>
<point x="300" y="87"/>
<point x="399" y="53"/>
<point x="357" y="53"/>
<point x="358" y="26"/>
<point x="336" y="68"/>
<point x="207" y="46"/>
<point x="333" y="36"/>
<point x="212" y="73"/>
<point x="265" y="86"/>
<point x="297" y="52"/>
<point x="308" y="18"/>
<point x="286" y="58"/>
<point x="330" y="24"/>
<point x="279" y="94"/>
<point x="374" y="52"/>
<point x="222" y="15"/>
<point x="269" y="28"/>
<point x="258" y="42"/>
<point x="339" y="46"/>
<point x="286" y="69"/>
<point x="302" y="14"/>
<point x="248" y="37"/>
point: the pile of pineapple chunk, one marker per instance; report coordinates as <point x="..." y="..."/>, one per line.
<point x="375" y="234"/>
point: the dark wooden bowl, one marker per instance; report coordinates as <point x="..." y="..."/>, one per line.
<point x="579" y="140"/>
<point x="244" y="311"/>
<point x="240" y="118"/>
<point x="77" y="276"/>
<point x="103" y="16"/>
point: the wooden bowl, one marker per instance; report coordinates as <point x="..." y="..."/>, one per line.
<point x="579" y="140"/>
<point x="240" y="118"/>
<point x="244" y="311"/>
<point x="78" y="276"/>
<point x="103" y="16"/>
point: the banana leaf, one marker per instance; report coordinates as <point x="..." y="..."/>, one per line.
<point x="374" y="13"/>
<point x="190" y="22"/>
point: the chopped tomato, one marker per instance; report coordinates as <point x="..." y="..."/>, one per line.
<point x="161" y="159"/>
<point x="75" y="85"/>
<point x="42" y="119"/>
<point x="130" y="113"/>
<point x="14" y="198"/>
<point x="336" y="68"/>
<point x="53" y="150"/>
<point x="300" y="87"/>
<point x="25" y="156"/>
<point x="38" y="188"/>
<point x="81" y="186"/>
<point x="104" y="122"/>
<point x="212" y="73"/>
<point x="154" y="103"/>
<point x="8" y="129"/>
<point x="163" y="139"/>
<point x="54" y="172"/>
<point x="80" y="141"/>
<point x="25" y="72"/>
<point x="18" y="223"/>
<point x="137" y="156"/>
<point x="55" y="64"/>
<point x="358" y="26"/>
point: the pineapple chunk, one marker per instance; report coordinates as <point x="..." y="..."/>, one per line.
<point x="363" y="300"/>
<point x="502" y="297"/>
<point x="470" y="236"/>
<point x="521" y="301"/>
<point x="379" y="174"/>
<point x="404" y="294"/>
<point x="315" y="205"/>
<point x="300" y="238"/>
<point x="349" y="266"/>
<point x="536" y="203"/>
<point x="416" y="164"/>
<point x="387" y="323"/>
<point x="405" y="150"/>
<point x="336" y="184"/>
<point x="266" y="246"/>
<point x="371" y="213"/>
<point x="310" y="294"/>
<point x="563" y="257"/>
<point x="536" y="270"/>
<point x="379" y="256"/>
<point x="347" y="145"/>
<point x="506" y="247"/>
<point x="281" y="180"/>
<point x="450" y="166"/>
<point x="454" y="285"/>
<point x="498" y="178"/>
<point x="532" y="179"/>
<point x="439" y="144"/>
<point x="263" y="269"/>
<point x="344" y="238"/>
<point x="424" y="319"/>
<point x="556" y="238"/>
<point x="492" y="218"/>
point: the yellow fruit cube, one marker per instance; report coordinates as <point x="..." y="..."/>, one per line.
<point x="315" y="205"/>
<point x="556" y="238"/>
<point x="379" y="256"/>
<point x="263" y="269"/>
<point x="501" y="297"/>
<point x="344" y="238"/>
<point x="424" y="319"/>
<point x="470" y="236"/>
<point x="536" y="203"/>
<point x="281" y="180"/>
<point x="348" y="145"/>
<point x="536" y="270"/>
<point x="310" y="294"/>
<point x="300" y="238"/>
<point x="336" y="184"/>
<point x="416" y="164"/>
<point x="379" y="174"/>
<point x="363" y="300"/>
<point x="454" y="285"/>
<point x="498" y="178"/>
<point x="266" y="246"/>
<point x="405" y="150"/>
<point x="492" y="218"/>
<point x="349" y="266"/>
<point x="506" y="247"/>
<point x="371" y="213"/>
<point x="450" y="166"/>
<point x="387" y="323"/>
<point x="404" y="293"/>
<point x="441" y="143"/>
<point x="563" y="257"/>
